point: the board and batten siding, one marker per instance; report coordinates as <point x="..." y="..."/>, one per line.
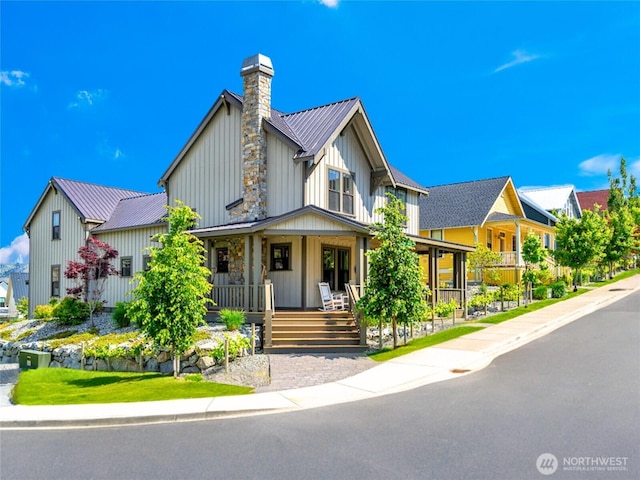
<point x="285" y="178"/>
<point x="209" y="177"/>
<point x="45" y="252"/>
<point x="287" y="284"/>
<point x="128" y="243"/>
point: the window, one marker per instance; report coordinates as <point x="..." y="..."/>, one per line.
<point x="55" y="225"/>
<point x="489" y="239"/>
<point x="55" y="280"/>
<point x="436" y="234"/>
<point x="514" y="245"/>
<point x="280" y="255"/>
<point x="547" y="241"/>
<point x="125" y="266"/>
<point x="400" y="194"/>
<point x="341" y="188"/>
<point x="146" y="263"/>
<point x="222" y="259"/>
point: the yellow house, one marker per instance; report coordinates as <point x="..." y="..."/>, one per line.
<point x="486" y="212"/>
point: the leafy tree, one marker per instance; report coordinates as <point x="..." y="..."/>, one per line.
<point x="485" y="260"/>
<point x="91" y="273"/>
<point x="22" y="306"/>
<point x="621" y="241"/>
<point x="393" y="289"/>
<point x="533" y="253"/>
<point x="580" y="242"/>
<point x="623" y="216"/>
<point x="170" y="298"/>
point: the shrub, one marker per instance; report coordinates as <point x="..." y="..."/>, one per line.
<point x="558" y="289"/>
<point x="540" y="292"/>
<point x="232" y="319"/>
<point x="43" y="312"/>
<point x="120" y="315"/>
<point x="23" y="307"/>
<point x="71" y="311"/>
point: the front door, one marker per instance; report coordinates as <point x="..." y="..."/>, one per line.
<point x="335" y="267"/>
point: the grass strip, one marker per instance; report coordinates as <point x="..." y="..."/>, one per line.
<point x="516" y="312"/>
<point x="62" y="386"/>
<point x="423" y="342"/>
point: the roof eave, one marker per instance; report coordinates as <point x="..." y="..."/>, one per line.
<point x="224" y="99"/>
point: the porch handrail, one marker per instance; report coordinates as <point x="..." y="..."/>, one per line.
<point x="353" y="292"/>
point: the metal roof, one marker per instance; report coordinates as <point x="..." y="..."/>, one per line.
<point x="136" y="212"/>
<point x="19" y="285"/>
<point x="549" y="198"/>
<point x="462" y="204"/>
<point x="402" y="180"/>
<point x="94" y="202"/>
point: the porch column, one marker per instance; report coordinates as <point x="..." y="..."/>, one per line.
<point x="518" y="245"/>
<point x="247" y="271"/>
<point x="361" y="262"/>
<point x="257" y="270"/>
<point x="433" y="274"/>
<point x="464" y="284"/>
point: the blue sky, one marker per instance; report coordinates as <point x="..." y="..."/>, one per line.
<point x="108" y="92"/>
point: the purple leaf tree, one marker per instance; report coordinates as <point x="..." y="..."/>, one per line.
<point x="91" y="272"/>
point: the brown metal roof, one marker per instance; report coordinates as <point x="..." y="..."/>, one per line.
<point x="136" y="212"/>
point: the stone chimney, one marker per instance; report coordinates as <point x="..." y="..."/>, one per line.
<point x="257" y="72"/>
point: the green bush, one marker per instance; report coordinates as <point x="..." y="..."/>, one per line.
<point x="232" y="319"/>
<point x="540" y="292"/>
<point x="71" y="311"/>
<point x="43" y="312"/>
<point x="558" y="289"/>
<point x="120" y="315"/>
<point x="23" y="307"/>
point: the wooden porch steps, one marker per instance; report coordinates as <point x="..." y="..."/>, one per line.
<point x="314" y="332"/>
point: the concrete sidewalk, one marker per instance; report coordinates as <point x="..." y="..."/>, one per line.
<point x="451" y="359"/>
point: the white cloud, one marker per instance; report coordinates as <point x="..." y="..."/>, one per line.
<point x="13" y="78"/>
<point x="330" y="3"/>
<point x="17" y="252"/>
<point x="86" y="98"/>
<point x="109" y="152"/>
<point x="600" y="164"/>
<point x="118" y="154"/>
<point x="633" y="167"/>
<point x="519" y="57"/>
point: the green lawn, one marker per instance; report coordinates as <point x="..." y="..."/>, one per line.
<point x="423" y="342"/>
<point x="62" y="386"/>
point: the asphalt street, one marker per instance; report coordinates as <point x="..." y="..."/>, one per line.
<point x="573" y="394"/>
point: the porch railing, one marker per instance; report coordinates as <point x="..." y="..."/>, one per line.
<point x="446" y="294"/>
<point x="508" y="258"/>
<point x="239" y="297"/>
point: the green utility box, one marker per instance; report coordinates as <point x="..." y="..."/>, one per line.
<point x="34" y="359"/>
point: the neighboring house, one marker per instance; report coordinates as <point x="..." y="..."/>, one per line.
<point x="484" y="212"/>
<point x="588" y="200"/>
<point x="4" y="309"/>
<point x="557" y="200"/>
<point x="17" y="289"/>
<point x="67" y="213"/>
<point x="286" y="202"/>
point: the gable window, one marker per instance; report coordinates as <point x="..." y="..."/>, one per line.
<point x="341" y="188"/>
<point x="489" y="239"/>
<point x="55" y="225"/>
<point x="146" y="263"/>
<point x="125" y="266"/>
<point x="280" y="256"/>
<point x="400" y="194"/>
<point x="55" y="280"/>
<point x="222" y="259"/>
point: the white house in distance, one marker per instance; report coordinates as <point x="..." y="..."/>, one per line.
<point x="287" y="198"/>
<point x="556" y="200"/>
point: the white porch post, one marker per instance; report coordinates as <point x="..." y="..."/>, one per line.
<point x="247" y="271"/>
<point x="518" y="245"/>
<point x="257" y="270"/>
